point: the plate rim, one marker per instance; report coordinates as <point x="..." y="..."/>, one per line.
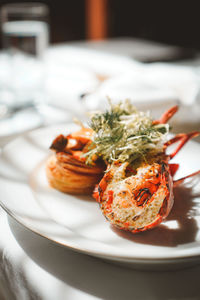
<point x="96" y="254"/>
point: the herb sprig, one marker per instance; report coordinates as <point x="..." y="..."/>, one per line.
<point x="125" y="134"/>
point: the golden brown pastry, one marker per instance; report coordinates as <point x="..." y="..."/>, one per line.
<point x="66" y="169"/>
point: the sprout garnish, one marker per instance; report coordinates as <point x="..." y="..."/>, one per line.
<point x="125" y="134"/>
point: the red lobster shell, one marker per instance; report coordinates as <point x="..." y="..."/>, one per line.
<point x="140" y="199"/>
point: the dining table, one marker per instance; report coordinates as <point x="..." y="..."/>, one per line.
<point x="79" y="76"/>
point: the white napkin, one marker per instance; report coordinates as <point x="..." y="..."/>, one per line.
<point x="98" y="62"/>
<point x="153" y="86"/>
<point x="73" y="71"/>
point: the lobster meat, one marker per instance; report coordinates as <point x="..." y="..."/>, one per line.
<point x="139" y="199"/>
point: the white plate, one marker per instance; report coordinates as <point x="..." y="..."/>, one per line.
<point x="76" y="222"/>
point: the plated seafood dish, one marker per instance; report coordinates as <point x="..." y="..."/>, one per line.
<point x="122" y="160"/>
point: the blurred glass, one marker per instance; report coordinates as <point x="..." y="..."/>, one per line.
<point x="25" y="35"/>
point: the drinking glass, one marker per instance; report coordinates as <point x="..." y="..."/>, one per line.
<point x="25" y="36"/>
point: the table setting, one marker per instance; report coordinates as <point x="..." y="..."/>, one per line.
<point x="59" y="246"/>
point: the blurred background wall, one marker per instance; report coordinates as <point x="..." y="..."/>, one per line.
<point x="172" y="22"/>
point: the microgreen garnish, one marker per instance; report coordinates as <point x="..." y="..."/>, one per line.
<point x="125" y="134"/>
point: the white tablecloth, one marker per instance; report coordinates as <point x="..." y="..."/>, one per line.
<point x="32" y="267"/>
